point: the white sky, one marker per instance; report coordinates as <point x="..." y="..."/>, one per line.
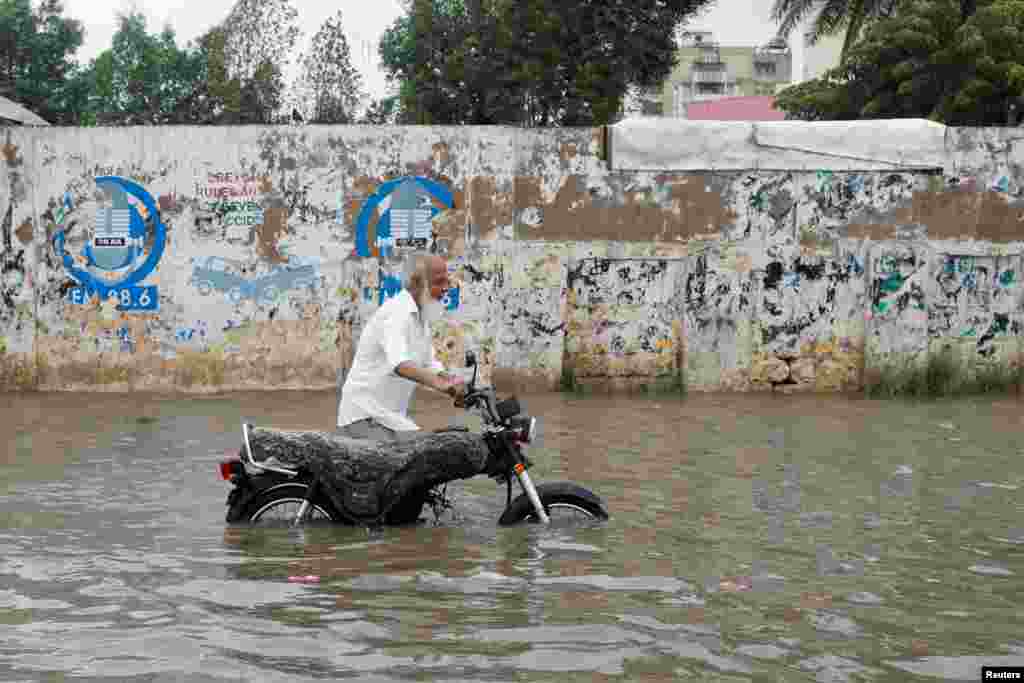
<point x="734" y="22"/>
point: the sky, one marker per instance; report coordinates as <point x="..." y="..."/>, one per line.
<point x="734" y="22"/>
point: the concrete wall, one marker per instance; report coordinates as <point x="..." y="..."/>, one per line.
<point x="743" y="278"/>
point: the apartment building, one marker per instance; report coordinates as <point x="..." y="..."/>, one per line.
<point x="710" y="71"/>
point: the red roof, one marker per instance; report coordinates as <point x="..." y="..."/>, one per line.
<point x="752" y="108"/>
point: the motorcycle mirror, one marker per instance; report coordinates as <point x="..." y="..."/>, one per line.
<point x="470" y="359"/>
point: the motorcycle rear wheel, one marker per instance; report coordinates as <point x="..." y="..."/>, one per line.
<point x="280" y="504"/>
<point x="557" y="497"/>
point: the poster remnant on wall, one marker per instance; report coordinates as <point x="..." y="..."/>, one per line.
<point x="123" y="247"/>
<point x="401" y="210"/>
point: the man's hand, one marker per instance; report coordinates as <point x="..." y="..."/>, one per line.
<point x="454" y="387"/>
<point x="442" y="382"/>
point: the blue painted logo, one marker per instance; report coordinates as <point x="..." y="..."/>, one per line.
<point x="114" y="261"/>
<point x="404" y="209"/>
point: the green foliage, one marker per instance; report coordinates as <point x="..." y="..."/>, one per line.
<point x="531" y="63"/>
<point x="568" y="382"/>
<point x="831" y="17"/>
<point x="143" y="77"/>
<point x="930" y="60"/>
<point x="942" y="376"/>
<point x="330" y="85"/>
<point x="37" y="49"/>
<point x="382" y="112"/>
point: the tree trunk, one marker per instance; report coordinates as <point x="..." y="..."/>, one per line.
<point x="852" y="29"/>
<point x="366" y="479"/>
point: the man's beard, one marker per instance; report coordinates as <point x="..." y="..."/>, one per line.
<point x="431" y="310"/>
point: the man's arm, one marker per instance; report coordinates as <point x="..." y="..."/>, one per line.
<point x="398" y="354"/>
<point x="435" y="364"/>
<point x="427" y="378"/>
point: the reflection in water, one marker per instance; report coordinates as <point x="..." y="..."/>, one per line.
<point x="753" y="538"/>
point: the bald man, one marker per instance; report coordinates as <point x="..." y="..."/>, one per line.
<point x="394" y="354"/>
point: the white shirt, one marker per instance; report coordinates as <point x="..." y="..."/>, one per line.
<point x="393" y="335"/>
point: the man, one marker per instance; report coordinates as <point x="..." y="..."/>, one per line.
<point x="394" y="354"/>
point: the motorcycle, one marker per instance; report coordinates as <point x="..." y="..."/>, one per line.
<point x="264" y="491"/>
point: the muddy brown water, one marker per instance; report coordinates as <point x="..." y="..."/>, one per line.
<point x="753" y="538"/>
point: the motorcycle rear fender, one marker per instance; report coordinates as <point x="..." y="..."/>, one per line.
<point x="248" y="488"/>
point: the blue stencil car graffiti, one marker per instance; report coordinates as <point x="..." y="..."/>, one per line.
<point x="224" y="275"/>
<point x="114" y="261"/>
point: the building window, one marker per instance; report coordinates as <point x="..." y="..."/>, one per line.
<point x="766" y="68"/>
<point x="710" y="88"/>
<point x="710" y="54"/>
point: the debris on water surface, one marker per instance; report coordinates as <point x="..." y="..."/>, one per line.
<point x="304" y="579"/>
<point x="989" y="570"/>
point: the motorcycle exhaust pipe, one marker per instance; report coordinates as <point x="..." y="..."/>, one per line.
<point x="531" y="493"/>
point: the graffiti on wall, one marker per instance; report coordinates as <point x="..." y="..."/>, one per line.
<point x="123" y="247"/>
<point x="897" y="285"/>
<point x="229" y="200"/>
<point x="13" y="272"/>
<point x="830" y="201"/>
<point x="716" y="297"/>
<point x="898" y="307"/>
<point x="800" y="296"/>
<point x="401" y="211"/>
<point x="764" y="204"/>
<point x="626" y="305"/>
<point x="975" y="299"/>
<point x="232" y="278"/>
<point x="529" y="325"/>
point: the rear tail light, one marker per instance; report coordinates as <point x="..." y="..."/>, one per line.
<point x="230" y="468"/>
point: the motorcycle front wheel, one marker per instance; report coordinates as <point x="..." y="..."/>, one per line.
<point x="564" y="502"/>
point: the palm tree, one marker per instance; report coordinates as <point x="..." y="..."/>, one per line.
<point x="830" y="17"/>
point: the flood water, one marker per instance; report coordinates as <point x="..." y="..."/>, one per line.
<point x="753" y="538"/>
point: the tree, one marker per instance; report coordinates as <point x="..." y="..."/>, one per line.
<point x="959" y="63"/>
<point x="330" y="86"/>
<point x="533" y="62"/>
<point x="407" y="52"/>
<point x="143" y="77"/>
<point x="37" y="51"/>
<point x="382" y="112"/>
<point x="831" y="17"/>
<point x="256" y="40"/>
